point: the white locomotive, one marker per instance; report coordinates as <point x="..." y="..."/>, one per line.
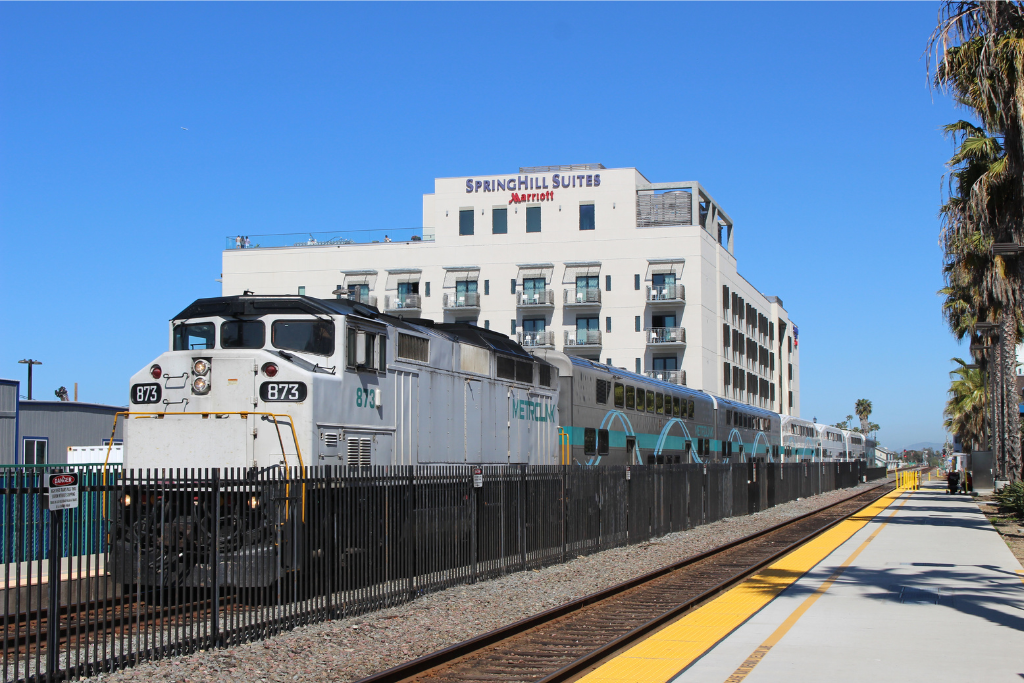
<point x="266" y="381"/>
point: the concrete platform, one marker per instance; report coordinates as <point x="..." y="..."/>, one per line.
<point x="919" y="588"/>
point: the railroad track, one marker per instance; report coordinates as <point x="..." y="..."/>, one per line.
<point x="568" y="640"/>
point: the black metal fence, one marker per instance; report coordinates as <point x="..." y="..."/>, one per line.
<point x="161" y="563"/>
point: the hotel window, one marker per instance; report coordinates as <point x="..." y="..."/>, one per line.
<point x="302" y="291"/>
<point x="499" y="221"/>
<point x="607" y="283"/>
<point x="533" y="219"/>
<point x="426" y="289"/>
<point x="466" y="222"/>
<point x="608" y="326"/>
<point x="636" y="281"/>
<point x="586" y="216"/>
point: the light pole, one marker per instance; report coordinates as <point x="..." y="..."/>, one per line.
<point x="30" y="363"/>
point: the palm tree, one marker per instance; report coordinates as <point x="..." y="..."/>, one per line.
<point x="965" y="409"/>
<point x="863" y="410"/>
<point x="979" y="59"/>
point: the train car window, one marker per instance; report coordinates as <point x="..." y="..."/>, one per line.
<point x="602" y="442"/>
<point x="650" y="401"/>
<point x="382" y="352"/>
<point x="700" y="446"/>
<point x="194" y="336"/>
<point x="506" y="367"/>
<point x="243" y="334"/>
<point x="601" y="387"/>
<point x="690" y="411"/>
<point x="630" y="395"/>
<point x="641" y="400"/>
<point x="589" y="441"/>
<point x="545" y="375"/>
<point x="728" y="417"/>
<point x="659" y="404"/>
<point x="620" y="395"/>
<point x="307" y="336"/>
<point x="524" y="371"/>
<point x="676" y="411"/>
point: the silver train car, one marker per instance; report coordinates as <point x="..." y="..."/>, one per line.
<point x="800" y="440"/>
<point x="610" y="416"/>
<point x="264" y="381"/>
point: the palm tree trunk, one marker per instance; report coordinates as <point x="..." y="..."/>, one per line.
<point x="1008" y="341"/>
<point x="998" y="432"/>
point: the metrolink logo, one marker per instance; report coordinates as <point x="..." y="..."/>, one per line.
<point x="533" y="411"/>
<point x="531" y="197"/>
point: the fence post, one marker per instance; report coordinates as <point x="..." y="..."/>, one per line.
<point x="565" y="507"/>
<point x="410" y="532"/>
<point x="53" y="604"/>
<point x="522" y="516"/>
<point x="215" y="568"/>
<point x="472" y="524"/>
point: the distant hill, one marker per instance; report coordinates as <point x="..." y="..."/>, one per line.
<point x="921" y="445"/>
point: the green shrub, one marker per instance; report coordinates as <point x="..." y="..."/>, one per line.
<point x="1011" y="498"/>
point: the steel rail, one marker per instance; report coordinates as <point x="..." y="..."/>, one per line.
<point x="409" y="670"/>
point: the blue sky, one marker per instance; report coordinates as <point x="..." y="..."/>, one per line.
<point x="812" y="125"/>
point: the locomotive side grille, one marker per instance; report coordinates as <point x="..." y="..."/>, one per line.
<point x="331" y="440"/>
<point x="358" y="452"/>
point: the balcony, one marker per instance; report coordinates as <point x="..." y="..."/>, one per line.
<point x="666" y="295"/>
<point x="665" y="336"/>
<point x="368" y="299"/>
<point x="582" y="339"/>
<point x="402" y="303"/>
<point x="536" y="339"/>
<point x="462" y="301"/>
<point x="581" y="298"/>
<point x="544" y="299"/>
<point x="670" y="376"/>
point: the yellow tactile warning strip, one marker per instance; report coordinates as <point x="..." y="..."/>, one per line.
<point x="758" y="654"/>
<point x="666" y="653"/>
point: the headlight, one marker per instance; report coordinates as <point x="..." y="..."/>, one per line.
<point x="270" y="369"/>
<point x="254" y="502"/>
<point x="155" y="371"/>
<point x="201" y="367"/>
<point x="200" y="385"/>
<point x="127" y="499"/>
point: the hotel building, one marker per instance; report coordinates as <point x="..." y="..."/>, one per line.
<point x="592" y="261"/>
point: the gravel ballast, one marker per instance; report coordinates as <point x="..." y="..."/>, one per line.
<point x="349" y="649"/>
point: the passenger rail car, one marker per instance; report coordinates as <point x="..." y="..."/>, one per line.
<point x="611" y="416"/>
<point x="257" y="383"/>
<point x="800" y="440"/>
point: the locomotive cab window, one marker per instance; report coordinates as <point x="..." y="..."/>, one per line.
<point x="242" y="334"/>
<point x="545" y="375"/>
<point x="306" y="336"/>
<point x="191" y="336"/>
<point x="620" y="395"/>
<point x="366" y="350"/>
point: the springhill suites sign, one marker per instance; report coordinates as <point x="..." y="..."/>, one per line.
<point x="532" y="183"/>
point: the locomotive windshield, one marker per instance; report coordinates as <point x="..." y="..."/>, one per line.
<point x="307" y="336"/>
<point x="194" y="336"/>
<point x="242" y="334"/>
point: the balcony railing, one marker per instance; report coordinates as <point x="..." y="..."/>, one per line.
<point x="536" y="298"/>
<point x="328" y="239"/>
<point x="368" y="299"/>
<point x="582" y="338"/>
<point x="670" y="376"/>
<point x="590" y="296"/>
<point x="665" y="335"/>
<point x="666" y="293"/>
<point x="402" y="302"/>
<point x="462" y="300"/>
<point x="532" y="339"/>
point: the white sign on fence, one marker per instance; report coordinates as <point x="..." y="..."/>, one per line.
<point x="478" y="477"/>
<point x="63" y="490"/>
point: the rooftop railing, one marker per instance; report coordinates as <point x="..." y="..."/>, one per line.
<point x="325" y="239"/>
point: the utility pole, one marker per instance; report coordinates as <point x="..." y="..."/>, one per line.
<point x="30" y="363"/>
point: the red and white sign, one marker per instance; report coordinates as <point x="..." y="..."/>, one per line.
<point x="63" y="490"/>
